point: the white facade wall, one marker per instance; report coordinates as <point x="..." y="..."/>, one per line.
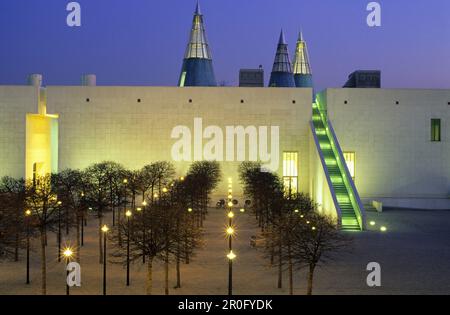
<point x="113" y="125"/>
<point x="15" y="103"/>
<point x="396" y="161"/>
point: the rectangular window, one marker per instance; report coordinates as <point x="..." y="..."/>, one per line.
<point x="290" y="172"/>
<point x="435" y="129"/>
<point x="350" y="161"/>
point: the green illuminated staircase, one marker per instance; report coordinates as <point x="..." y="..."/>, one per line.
<point x="346" y="199"/>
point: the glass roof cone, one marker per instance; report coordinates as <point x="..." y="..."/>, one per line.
<point x="281" y="75"/>
<point x="197" y="69"/>
<point x="302" y="67"/>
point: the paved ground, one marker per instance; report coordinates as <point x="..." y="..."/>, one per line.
<point x="414" y="255"/>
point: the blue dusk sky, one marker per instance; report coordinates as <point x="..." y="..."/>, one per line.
<point x="142" y="42"/>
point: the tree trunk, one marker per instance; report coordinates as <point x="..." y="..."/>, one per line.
<point x="178" y="271"/>
<point x="280" y="268"/>
<point x="43" y="264"/>
<point x="310" y="279"/>
<point x="149" y="275"/>
<point x="100" y="243"/>
<point x="291" y="273"/>
<point x="16" y="249"/>
<point x="166" y="273"/>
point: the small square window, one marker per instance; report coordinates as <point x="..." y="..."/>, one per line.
<point x="293" y="102"/>
<point x="138" y="100"/>
<point x="397" y="102"/>
<point x="435" y="130"/>
<point x="242" y="101"/>
<point x="88" y="100"/>
<point x="190" y="100"/>
<point x="345" y="102"/>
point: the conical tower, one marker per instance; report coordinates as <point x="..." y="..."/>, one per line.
<point x="302" y="68"/>
<point x="197" y="69"/>
<point x="281" y="75"/>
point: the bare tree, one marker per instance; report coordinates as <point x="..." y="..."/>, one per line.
<point x="41" y="200"/>
<point x="315" y="242"/>
<point x="99" y="194"/>
<point x="12" y="192"/>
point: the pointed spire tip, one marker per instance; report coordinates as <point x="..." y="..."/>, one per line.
<point x="197" y="8"/>
<point x="282" y="40"/>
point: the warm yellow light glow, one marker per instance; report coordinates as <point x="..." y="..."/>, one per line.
<point x="128" y="213"/>
<point x="139" y="209"/>
<point x="242" y="210"/>
<point x="230" y="186"/>
<point x="68" y="252"/>
<point x="105" y="228"/>
<point x="307" y="222"/>
<point x="296" y="210"/>
<point x="230" y="231"/>
<point x="125" y="181"/>
<point x="155" y="195"/>
<point x="230" y="204"/>
<point x="82" y="194"/>
<point x="230" y="214"/>
<point x="59" y="203"/>
<point x="182" y="178"/>
<point x="313" y="228"/>
<point x="144" y="203"/>
<point x="230" y="197"/>
<point x="28" y="212"/>
<point x="189" y="209"/>
<point x="230" y="180"/>
<point x="383" y="229"/>
<point x="372" y="223"/>
<point x="301" y="215"/>
<point x="230" y="191"/>
<point x="41" y="148"/>
<point x="231" y="255"/>
<point x="164" y="190"/>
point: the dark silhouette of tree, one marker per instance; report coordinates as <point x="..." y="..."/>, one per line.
<point x="41" y="200"/>
<point x="12" y="194"/>
<point x="315" y="242"/>
<point x="101" y="178"/>
<point x="71" y="188"/>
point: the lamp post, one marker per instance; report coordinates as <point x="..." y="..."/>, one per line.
<point x="27" y="215"/>
<point x="105" y="230"/>
<point x="128" y="215"/>
<point x="67" y="253"/>
<point x="59" y="203"/>
<point x="230" y="257"/>
<point x="144" y="205"/>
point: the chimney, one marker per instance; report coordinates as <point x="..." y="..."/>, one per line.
<point x="88" y="80"/>
<point x="35" y="80"/>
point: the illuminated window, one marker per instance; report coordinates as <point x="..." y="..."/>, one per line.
<point x="290" y="172"/>
<point x="435" y="130"/>
<point x="350" y="161"/>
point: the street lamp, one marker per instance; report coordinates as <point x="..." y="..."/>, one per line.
<point x="144" y="204"/>
<point x="230" y="257"/>
<point x="189" y="209"/>
<point x="105" y="230"/>
<point x="67" y="253"/>
<point x="128" y="215"/>
<point x="164" y="190"/>
<point x="27" y="218"/>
